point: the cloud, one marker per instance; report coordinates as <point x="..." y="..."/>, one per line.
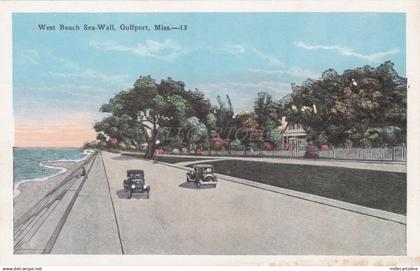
<point x="272" y="86"/>
<point x="28" y="56"/>
<point x="61" y="119"/>
<point x="239" y="50"/>
<point x="66" y="63"/>
<point x="234" y="49"/>
<point x="68" y="68"/>
<point x="346" y="51"/>
<point x="91" y="74"/>
<point x="294" y="71"/>
<point x="167" y="50"/>
<point x="272" y="60"/>
<point x="81" y="91"/>
<point x="78" y="72"/>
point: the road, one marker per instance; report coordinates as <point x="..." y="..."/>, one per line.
<point x="231" y="219"/>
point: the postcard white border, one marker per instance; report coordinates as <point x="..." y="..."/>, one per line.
<point x="410" y="7"/>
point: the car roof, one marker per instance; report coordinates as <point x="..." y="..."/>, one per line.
<point x="134" y="171"/>
<point x="203" y="166"/>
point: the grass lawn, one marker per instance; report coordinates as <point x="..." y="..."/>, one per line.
<point x="174" y="159"/>
<point x="375" y="189"/>
<point x="167" y="159"/>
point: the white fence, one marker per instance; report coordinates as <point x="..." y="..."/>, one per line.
<point x="381" y="154"/>
<point x="387" y="154"/>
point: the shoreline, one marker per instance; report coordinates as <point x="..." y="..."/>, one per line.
<point x="28" y="192"/>
<point x="62" y="167"/>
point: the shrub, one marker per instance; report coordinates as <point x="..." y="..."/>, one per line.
<point x="312" y="151"/>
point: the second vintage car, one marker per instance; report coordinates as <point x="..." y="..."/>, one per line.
<point x="136" y="183"/>
<point x="202" y="174"/>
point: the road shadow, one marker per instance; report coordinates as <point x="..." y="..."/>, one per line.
<point x="123" y="195"/>
<point x="123" y="157"/>
<point x="192" y="186"/>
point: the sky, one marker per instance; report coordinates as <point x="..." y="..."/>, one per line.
<point x="61" y="78"/>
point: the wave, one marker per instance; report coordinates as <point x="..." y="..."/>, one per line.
<point x="16" y="191"/>
<point x="87" y="153"/>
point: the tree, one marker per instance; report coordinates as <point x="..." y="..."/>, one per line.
<point x="151" y="106"/>
<point x="203" y="111"/>
<point x="362" y="107"/>
<point x="122" y="128"/>
<point x="224" y="117"/>
<point x="196" y="131"/>
<point x="220" y="122"/>
<point x="247" y="130"/>
<point x="265" y="110"/>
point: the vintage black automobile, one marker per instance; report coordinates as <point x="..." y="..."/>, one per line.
<point x="135" y="183"/>
<point x="202" y="174"/>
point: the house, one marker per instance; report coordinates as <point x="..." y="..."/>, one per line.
<point x="294" y="136"/>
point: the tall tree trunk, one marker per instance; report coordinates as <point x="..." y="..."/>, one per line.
<point x="209" y="141"/>
<point x="151" y="144"/>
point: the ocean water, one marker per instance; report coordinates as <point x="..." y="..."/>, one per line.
<point x="28" y="162"/>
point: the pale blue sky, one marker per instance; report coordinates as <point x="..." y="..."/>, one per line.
<point x="58" y="74"/>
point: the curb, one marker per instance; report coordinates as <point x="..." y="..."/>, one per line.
<point x="397" y="218"/>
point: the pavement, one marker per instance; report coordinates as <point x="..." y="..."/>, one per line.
<point x="230" y="219"/>
<point x="91" y="227"/>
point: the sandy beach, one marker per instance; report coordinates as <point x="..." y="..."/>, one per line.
<point x="28" y="193"/>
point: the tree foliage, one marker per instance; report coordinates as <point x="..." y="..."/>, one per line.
<point x="362" y="107"/>
<point x="151" y="105"/>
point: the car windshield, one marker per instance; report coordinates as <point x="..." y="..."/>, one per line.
<point x="137" y="175"/>
<point x="208" y="170"/>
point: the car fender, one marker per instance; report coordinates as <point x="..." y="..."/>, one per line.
<point x="209" y="175"/>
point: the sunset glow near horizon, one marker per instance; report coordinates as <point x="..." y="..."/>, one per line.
<point x="62" y="77"/>
<point x="71" y="131"/>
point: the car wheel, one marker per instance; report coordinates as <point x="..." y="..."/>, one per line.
<point x="148" y="194"/>
<point x="208" y="179"/>
<point x="129" y="194"/>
